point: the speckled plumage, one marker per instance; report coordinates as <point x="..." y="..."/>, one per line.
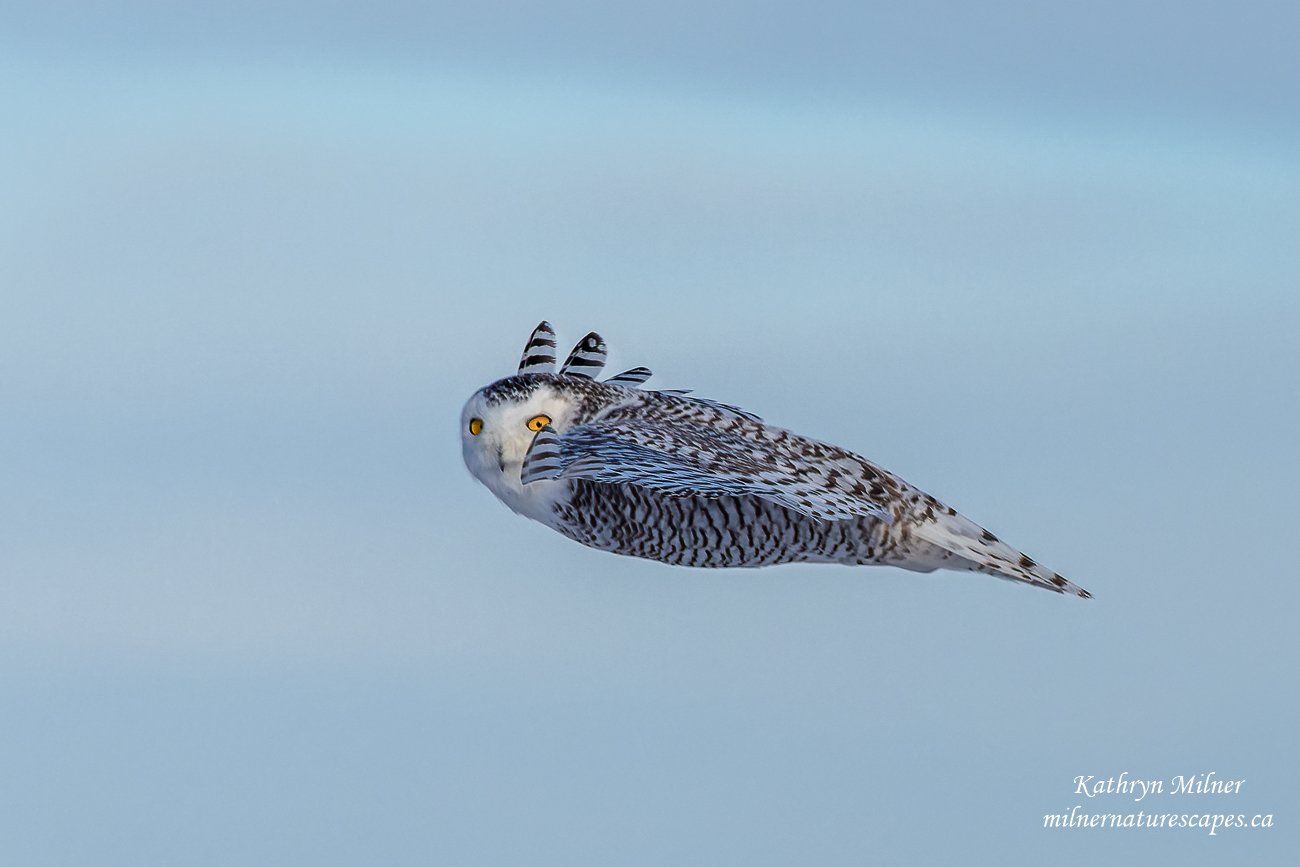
<point x="693" y="482"/>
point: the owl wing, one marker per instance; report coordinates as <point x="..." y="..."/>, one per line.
<point x="683" y="460"/>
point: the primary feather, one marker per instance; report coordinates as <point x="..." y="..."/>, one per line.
<point x="690" y="481"/>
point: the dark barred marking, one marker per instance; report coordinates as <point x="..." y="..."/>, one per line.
<point x="635" y="376"/>
<point x="718" y="532"/>
<point x="588" y="354"/>
<point x="543" y="458"/>
<point x="539" y="351"/>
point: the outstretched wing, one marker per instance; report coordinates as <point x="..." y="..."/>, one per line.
<point x="682" y="460"/>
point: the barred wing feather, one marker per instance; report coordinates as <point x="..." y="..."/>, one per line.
<point x="678" y="460"/>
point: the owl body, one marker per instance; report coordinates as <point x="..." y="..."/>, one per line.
<point x="691" y="482"/>
<point x="714" y="532"/>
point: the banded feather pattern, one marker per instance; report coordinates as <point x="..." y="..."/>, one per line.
<point x="681" y="460"/>
<point x="539" y="351"/>
<point x="543" y="460"/>
<point x="587" y="358"/>
<point x="631" y="378"/>
<point x="728" y="531"/>
<point x="690" y="481"/>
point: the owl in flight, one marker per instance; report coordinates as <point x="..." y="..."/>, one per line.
<point x="692" y="482"/>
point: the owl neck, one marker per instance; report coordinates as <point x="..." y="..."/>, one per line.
<point x="536" y="500"/>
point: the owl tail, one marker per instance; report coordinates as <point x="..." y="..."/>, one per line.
<point x="981" y="551"/>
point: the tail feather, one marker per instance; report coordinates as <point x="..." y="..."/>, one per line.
<point x="985" y="552"/>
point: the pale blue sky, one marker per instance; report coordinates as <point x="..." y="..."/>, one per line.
<point x="1040" y="261"/>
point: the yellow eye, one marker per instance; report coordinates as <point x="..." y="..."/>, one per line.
<point x="475" y="426"/>
<point x="538" y="422"/>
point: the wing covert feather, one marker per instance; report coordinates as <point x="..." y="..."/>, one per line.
<point x="683" y="460"/>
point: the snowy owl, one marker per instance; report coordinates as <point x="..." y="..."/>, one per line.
<point x="692" y="482"/>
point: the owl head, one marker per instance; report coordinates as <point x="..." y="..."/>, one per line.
<point x="500" y="421"/>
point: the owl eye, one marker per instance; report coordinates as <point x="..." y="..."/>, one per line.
<point x="475" y="426"/>
<point x="538" y="422"/>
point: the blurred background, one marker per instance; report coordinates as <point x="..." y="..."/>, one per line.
<point x="1037" y="258"/>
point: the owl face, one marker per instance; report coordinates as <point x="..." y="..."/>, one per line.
<point x="499" y="422"/>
